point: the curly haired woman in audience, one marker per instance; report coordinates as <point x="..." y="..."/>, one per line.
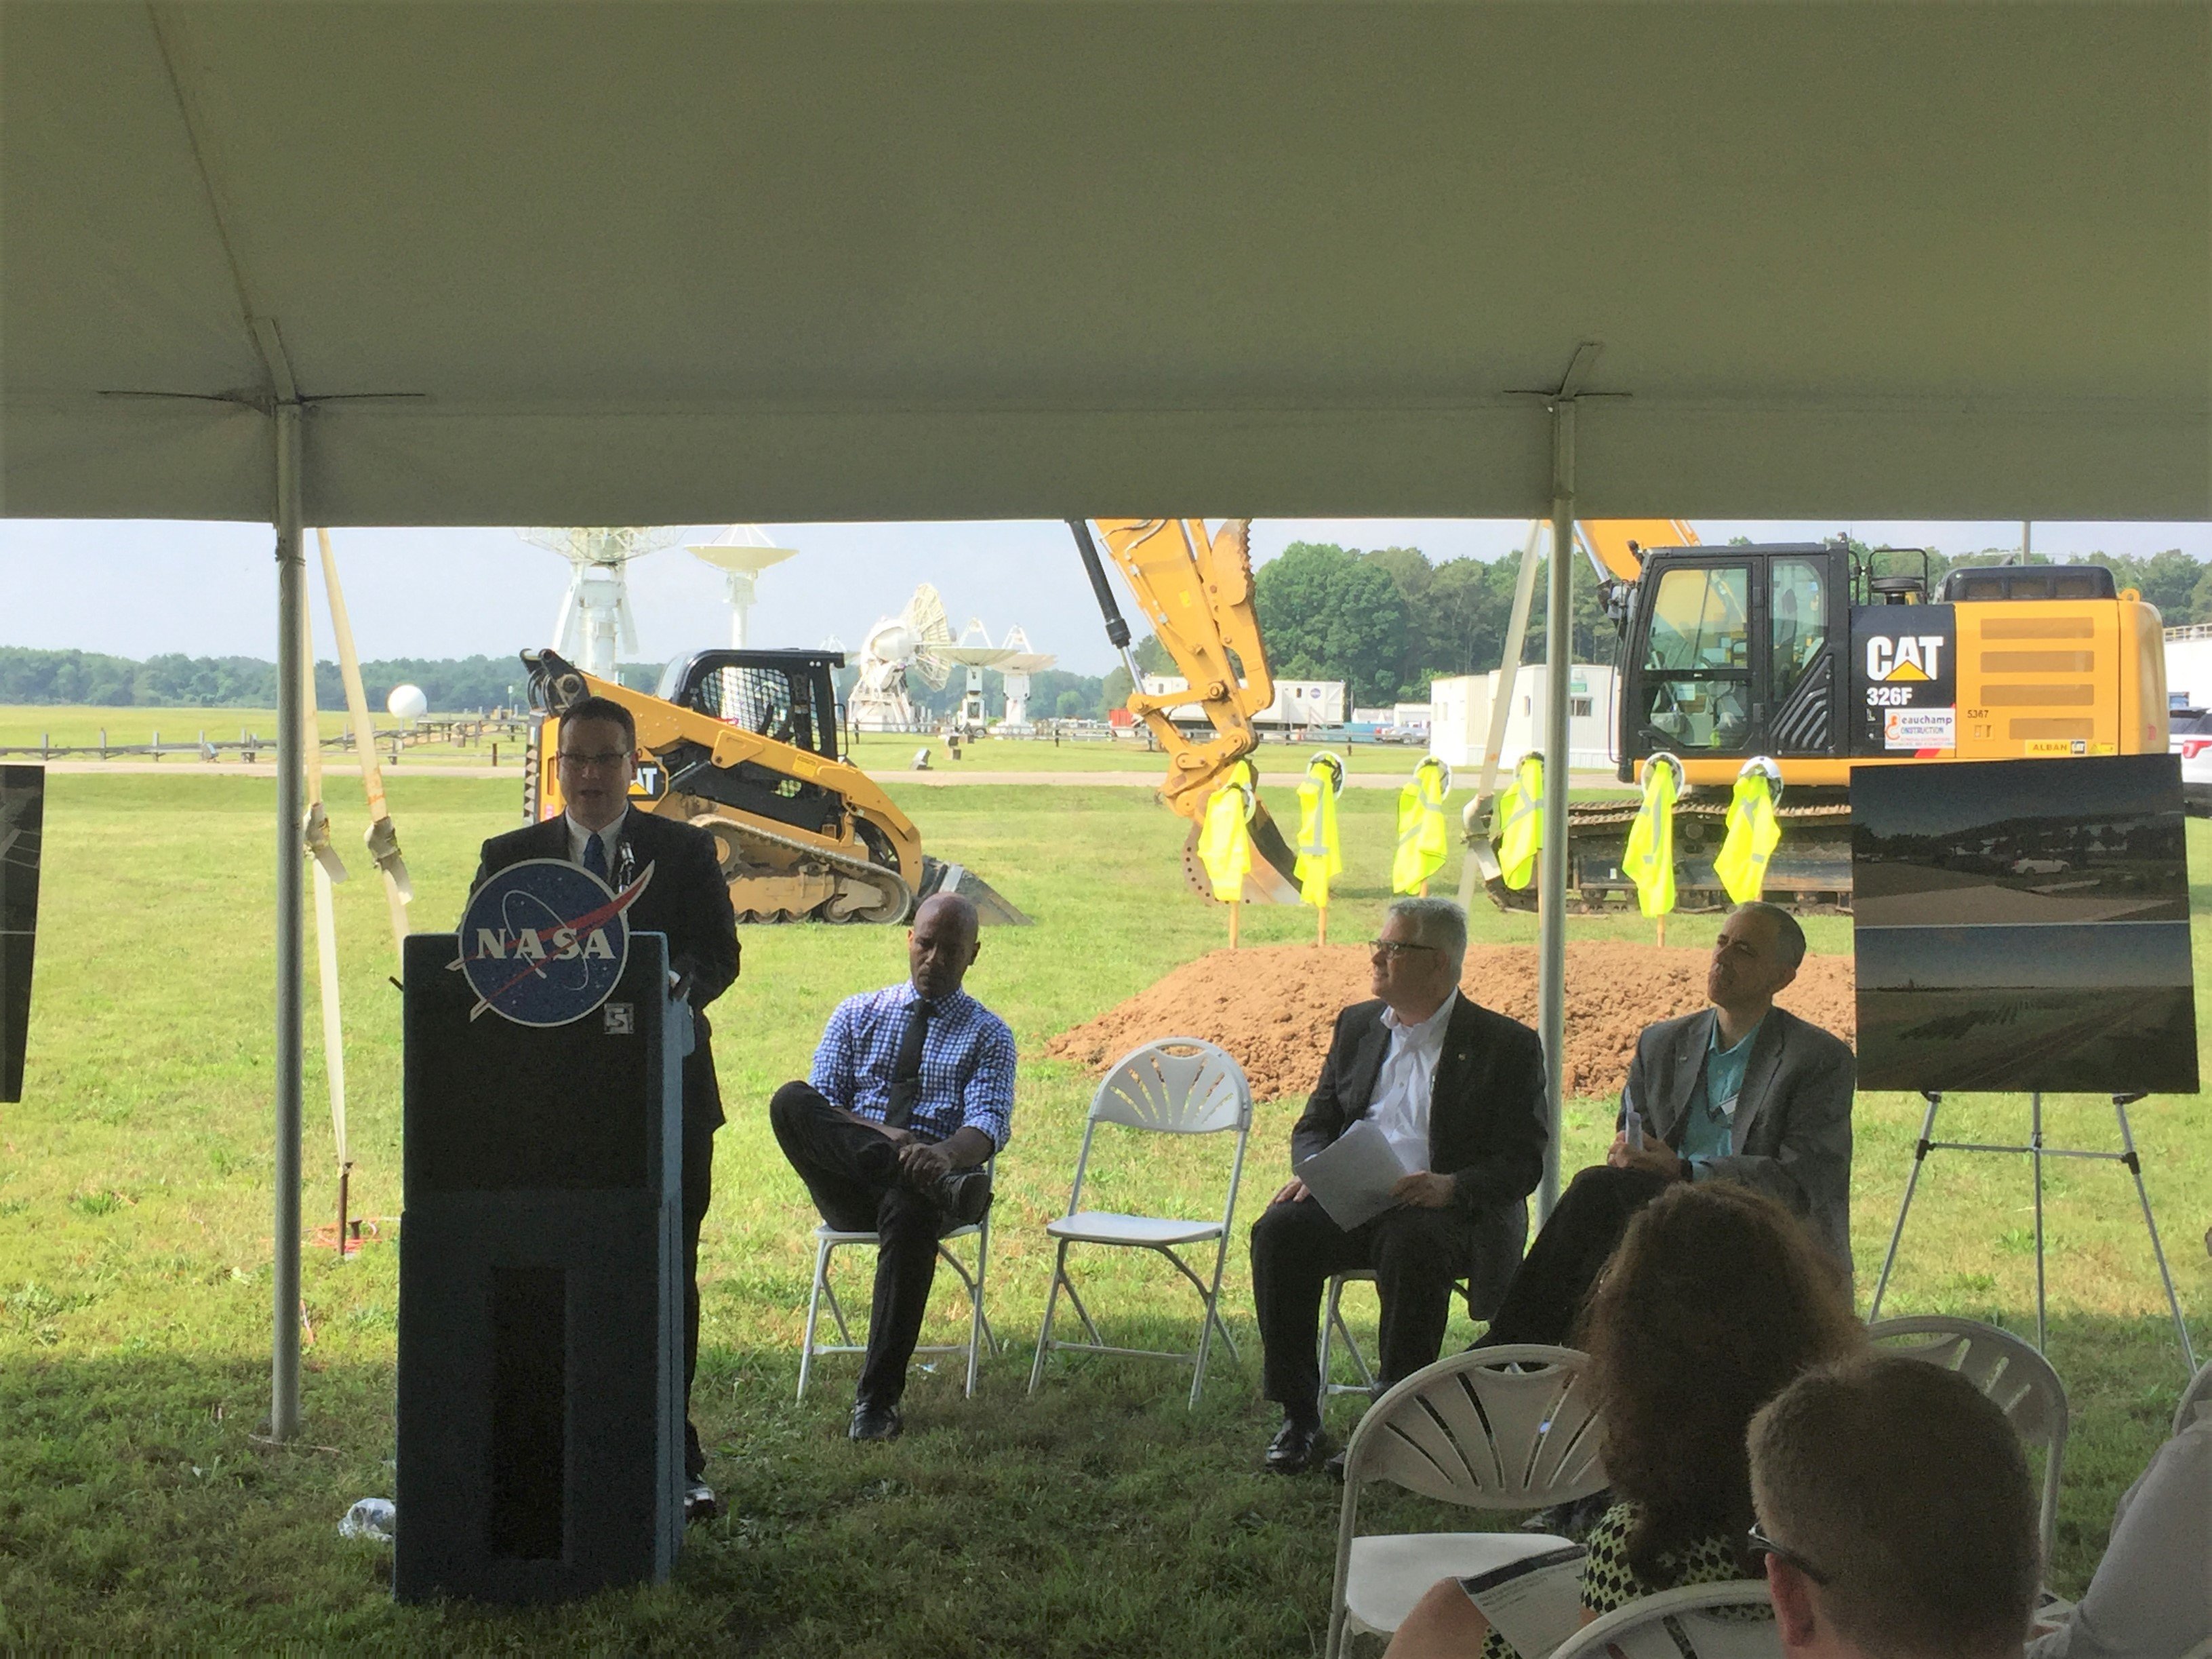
<point x="1716" y="1298"/>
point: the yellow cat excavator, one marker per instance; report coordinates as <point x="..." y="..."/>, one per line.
<point x="1196" y="587"/>
<point x="1823" y="657"/>
<point x="743" y="745"/>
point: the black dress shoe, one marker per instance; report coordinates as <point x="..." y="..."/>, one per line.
<point x="966" y="1194"/>
<point x="1295" y="1447"/>
<point x="699" y="1502"/>
<point x="873" y="1421"/>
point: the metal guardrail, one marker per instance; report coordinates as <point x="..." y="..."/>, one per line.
<point x="249" y="747"/>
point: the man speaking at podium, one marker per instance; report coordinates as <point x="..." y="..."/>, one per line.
<point x="687" y="900"/>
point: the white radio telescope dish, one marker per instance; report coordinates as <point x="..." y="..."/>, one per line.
<point x="910" y="643"/>
<point x="595" y="624"/>
<point x="741" y="553"/>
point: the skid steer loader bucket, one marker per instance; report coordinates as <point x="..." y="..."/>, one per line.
<point x="992" y="907"/>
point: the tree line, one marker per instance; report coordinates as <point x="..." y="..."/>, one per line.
<point x="1388" y="620"/>
<point x="175" y="681"/>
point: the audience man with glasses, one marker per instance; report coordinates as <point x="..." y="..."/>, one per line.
<point x="1458" y="1092"/>
<point x="911" y="1093"/>
<point x="1895" y="1514"/>
<point x="688" y="900"/>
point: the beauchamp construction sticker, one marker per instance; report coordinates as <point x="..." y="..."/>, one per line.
<point x="1920" y="728"/>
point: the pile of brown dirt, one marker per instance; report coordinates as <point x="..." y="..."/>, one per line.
<point x="1273" y="1006"/>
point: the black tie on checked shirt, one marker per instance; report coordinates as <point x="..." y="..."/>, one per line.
<point x="905" y="1070"/>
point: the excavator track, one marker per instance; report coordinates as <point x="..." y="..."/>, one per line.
<point x="1810" y="871"/>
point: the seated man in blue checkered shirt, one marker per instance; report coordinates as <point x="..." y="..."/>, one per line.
<point x="912" y="1092"/>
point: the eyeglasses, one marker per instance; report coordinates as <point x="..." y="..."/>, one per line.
<point x="1396" y="948"/>
<point x="607" y="763"/>
<point x="1762" y="1545"/>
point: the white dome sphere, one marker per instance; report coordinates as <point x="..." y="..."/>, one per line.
<point x="407" y="702"/>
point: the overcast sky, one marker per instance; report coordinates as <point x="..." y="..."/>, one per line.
<point x="136" y="588"/>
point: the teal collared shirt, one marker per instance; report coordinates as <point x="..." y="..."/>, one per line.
<point x="1710" y="1131"/>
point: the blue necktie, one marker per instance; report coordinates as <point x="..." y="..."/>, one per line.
<point x="595" y="855"/>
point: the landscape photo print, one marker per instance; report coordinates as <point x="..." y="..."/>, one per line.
<point x="2023" y="925"/>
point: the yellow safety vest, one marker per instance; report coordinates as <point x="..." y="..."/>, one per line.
<point x="1752" y="834"/>
<point x="1320" y="855"/>
<point x="1224" y="845"/>
<point x="1423" y="843"/>
<point x="1649" y="861"/>
<point x="1521" y="823"/>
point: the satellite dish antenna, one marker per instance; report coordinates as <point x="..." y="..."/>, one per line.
<point x="911" y="643"/>
<point x="741" y="553"/>
<point x="1014" y="671"/>
<point x="595" y="622"/>
<point x="978" y="654"/>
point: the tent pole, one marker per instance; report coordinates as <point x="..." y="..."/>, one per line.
<point x="291" y="812"/>
<point x="1551" y="879"/>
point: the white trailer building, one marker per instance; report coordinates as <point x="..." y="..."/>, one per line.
<point x="1460" y="710"/>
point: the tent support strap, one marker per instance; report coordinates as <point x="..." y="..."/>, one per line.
<point x="291" y="813"/>
<point x="1551" y="897"/>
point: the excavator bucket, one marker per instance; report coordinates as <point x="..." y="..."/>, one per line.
<point x="992" y="906"/>
<point x="1272" y="879"/>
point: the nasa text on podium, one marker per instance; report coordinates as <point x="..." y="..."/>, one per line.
<point x="541" y="1371"/>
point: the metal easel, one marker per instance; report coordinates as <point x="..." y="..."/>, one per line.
<point x="2036" y="1152"/>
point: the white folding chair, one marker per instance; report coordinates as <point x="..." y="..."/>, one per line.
<point x="1681" y="1624"/>
<point x="2006" y="1368"/>
<point x="828" y="1239"/>
<point x="1178" y="1086"/>
<point x="1505" y="1428"/>
<point x="1333" y="1329"/>
<point x="2198" y="1394"/>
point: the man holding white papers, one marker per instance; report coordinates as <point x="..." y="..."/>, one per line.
<point x="1457" y="1092"/>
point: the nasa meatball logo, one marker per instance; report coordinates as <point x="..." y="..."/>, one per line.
<point x="544" y="942"/>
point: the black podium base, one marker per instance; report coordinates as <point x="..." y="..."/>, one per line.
<point x="541" y="1374"/>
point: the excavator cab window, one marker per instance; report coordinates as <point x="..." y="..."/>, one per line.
<point x="1797" y="618"/>
<point x="1697" y="667"/>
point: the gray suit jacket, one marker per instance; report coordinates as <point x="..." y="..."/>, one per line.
<point x="1793" y="1118"/>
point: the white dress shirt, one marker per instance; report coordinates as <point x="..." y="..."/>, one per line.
<point x="609" y="839"/>
<point x="1400" y="1106"/>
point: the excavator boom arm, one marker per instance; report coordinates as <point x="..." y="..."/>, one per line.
<point x="1196" y="589"/>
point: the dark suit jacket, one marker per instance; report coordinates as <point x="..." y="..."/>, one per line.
<point x="1793" y="1118"/>
<point x="1486" y="1116"/>
<point x="687" y="899"/>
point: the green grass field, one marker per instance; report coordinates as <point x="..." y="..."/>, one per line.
<point x="1100" y="1517"/>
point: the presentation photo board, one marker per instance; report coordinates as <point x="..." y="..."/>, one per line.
<point x="2023" y="925"/>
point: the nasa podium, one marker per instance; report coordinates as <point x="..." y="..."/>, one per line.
<point x="541" y="1360"/>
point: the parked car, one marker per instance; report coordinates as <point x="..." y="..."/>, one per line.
<point x="2189" y="734"/>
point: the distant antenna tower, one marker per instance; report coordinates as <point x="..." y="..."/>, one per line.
<point x="1014" y="671"/>
<point x="741" y="553"/>
<point x="595" y="624"/>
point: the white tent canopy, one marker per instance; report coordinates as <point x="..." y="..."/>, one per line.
<point x="634" y="262"/>
<point x="697" y="262"/>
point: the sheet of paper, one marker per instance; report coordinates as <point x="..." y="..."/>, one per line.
<point x="1352" y="1175"/>
<point x="1536" y="1602"/>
